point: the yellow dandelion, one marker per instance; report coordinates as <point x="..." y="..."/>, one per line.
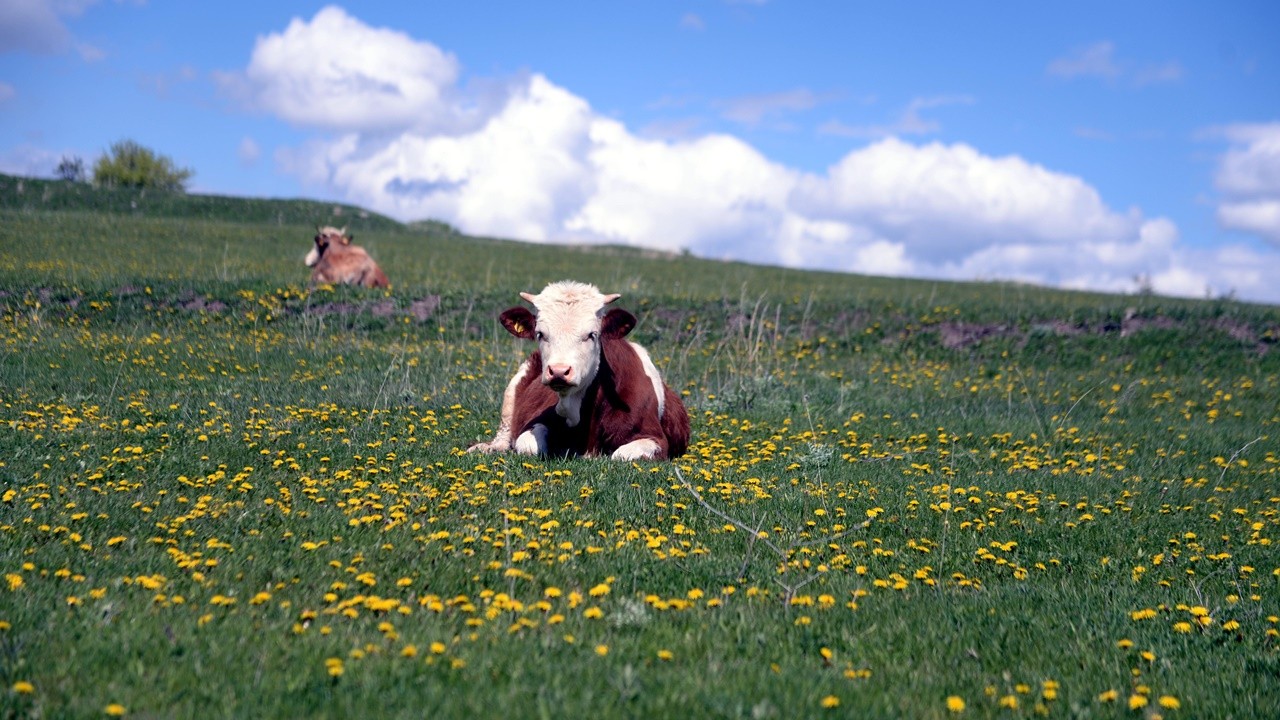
<point x="830" y="701"/>
<point x="593" y="613"/>
<point x="437" y="648"/>
<point x="409" y="651"/>
<point x="1169" y="702"/>
<point x="22" y="687"/>
<point x="955" y="704"/>
<point x="1009" y="701"/>
<point x="599" y="590"/>
<point x="1137" y="702"/>
<point x="602" y="650"/>
<point x="115" y="710"/>
<point x="666" y="655"/>
<point x="1108" y="696"/>
<point x="1182" y="627"/>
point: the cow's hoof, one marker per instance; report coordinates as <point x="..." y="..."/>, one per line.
<point x="644" y="449"/>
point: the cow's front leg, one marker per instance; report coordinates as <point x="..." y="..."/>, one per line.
<point x="533" y="441"/>
<point x="642" y="449"/>
<point x="501" y="441"/>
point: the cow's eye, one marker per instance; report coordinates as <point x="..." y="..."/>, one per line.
<point x="537" y="335"/>
<point x="591" y="337"/>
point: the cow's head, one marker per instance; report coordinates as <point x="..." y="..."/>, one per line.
<point x="568" y="324"/>
<point x="326" y="237"/>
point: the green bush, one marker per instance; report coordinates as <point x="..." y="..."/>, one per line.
<point x="129" y="164"/>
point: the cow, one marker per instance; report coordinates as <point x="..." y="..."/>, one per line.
<point x="585" y="390"/>
<point x="335" y="260"/>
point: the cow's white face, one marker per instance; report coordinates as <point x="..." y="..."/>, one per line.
<point x="567" y="329"/>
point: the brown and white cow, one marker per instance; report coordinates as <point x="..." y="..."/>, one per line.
<point x="586" y="390"/>
<point x="335" y="260"/>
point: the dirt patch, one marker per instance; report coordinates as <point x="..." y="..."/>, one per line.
<point x="383" y="308"/>
<point x="423" y="308"/>
<point x="201" y="304"/>
<point x="1132" y="324"/>
<point x="1236" y="330"/>
<point x="960" y="335"/>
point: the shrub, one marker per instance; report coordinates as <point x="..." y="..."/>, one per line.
<point x="71" y="169"/>
<point x="129" y="164"/>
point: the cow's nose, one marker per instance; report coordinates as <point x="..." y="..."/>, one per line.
<point x="560" y="373"/>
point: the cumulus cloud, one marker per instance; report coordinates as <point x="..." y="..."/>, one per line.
<point x="945" y="199"/>
<point x="1248" y="176"/>
<point x="531" y="160"/>
<point x="337" y="73"/>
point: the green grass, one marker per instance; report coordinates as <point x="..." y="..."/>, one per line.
<point x="218" y="487"/>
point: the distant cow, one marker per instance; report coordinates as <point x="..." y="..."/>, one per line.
<point x="585" y="390"/>
<point x="335" y="260"/>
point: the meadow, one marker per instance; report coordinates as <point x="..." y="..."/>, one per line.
<point x="224" y="493"/>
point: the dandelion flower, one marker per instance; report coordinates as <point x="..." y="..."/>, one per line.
<point x="955" y="704"/>
<point x="666" y="655"/>
<point x="1108" y="696"/>
<point x="830" y="701"/>
<point x="1169" y="702"/>
<point x="602" y="650"/>
<point x="1137" y="701"/>
<point x="22" y="687"/>
<point x="115" y="710"/>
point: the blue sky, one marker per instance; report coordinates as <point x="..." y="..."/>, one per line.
<point x="1080" y="145"/>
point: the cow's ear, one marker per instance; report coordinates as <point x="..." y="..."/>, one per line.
<point x="617" y="323"/>
<point x="344" y="239"/>
<point x="518" y="321"/>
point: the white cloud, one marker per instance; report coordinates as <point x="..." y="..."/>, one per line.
<point x="33" y="26"/>
<point x="37" y="26"/>
<point x="753" y="109"/>
<point x="692" y="21"/>
<point x="248" y="151"/>
<point x="335" y="72"/>
<point x="534" y="161"/>
<point x="947" y="200"/>
<point x="909" y="123"/>
<point x="1248" y="175"/>
<point x="1099" y="60"/>
<point x="29" y="161"/>
<point x="1260" y="217"/>
<point x="714" y="193"/>
<point x="1096" y="60"/>
<point x="518" y="175"/>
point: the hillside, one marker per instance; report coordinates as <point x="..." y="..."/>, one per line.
<point x="35" y="194"/>
<point x="227" y="493"/>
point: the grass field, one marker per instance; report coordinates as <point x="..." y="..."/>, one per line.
<point x="226" y="494"/>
